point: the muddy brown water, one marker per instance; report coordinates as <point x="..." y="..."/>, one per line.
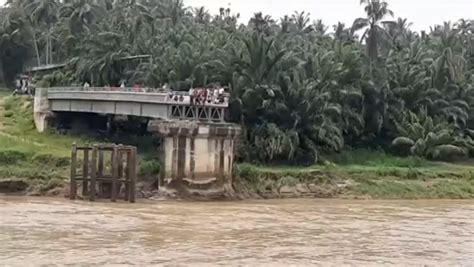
<point x="41" y="231"/>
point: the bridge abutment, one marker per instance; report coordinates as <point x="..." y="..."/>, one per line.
<point x="196" y="157"/>
<point x="42" y="114"/>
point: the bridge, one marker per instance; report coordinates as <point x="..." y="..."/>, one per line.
<point x="197" y="151"/>
<point x="151" y="103"/>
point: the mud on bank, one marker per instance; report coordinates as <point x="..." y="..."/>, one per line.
<point x="441" y="181"/>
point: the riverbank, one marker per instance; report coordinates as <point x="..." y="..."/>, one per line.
<point x="37" y="164"/>
<point x="436" y="181"/>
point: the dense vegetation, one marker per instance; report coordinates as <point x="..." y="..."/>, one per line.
<point x="300" y="91"/>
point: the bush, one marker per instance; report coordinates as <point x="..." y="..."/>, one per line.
<point x="13" y="156"/>
<point x="149" y="167"/>
<point x="378" y="158"/>
<point x="50" y="160"/>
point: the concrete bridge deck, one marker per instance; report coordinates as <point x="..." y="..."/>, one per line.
<point x="151" y="103"/>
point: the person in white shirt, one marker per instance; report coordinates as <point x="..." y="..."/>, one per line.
<point x="191" y="96"/>
<point x="221" y="95"/>
<point x="216" y="96"/>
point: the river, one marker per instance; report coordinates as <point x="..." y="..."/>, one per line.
<point x="42" y="231"/>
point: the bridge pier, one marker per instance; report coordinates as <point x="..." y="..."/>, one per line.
<point x="196" y="157"/>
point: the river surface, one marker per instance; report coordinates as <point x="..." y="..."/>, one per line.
<point x="41" y="231"/>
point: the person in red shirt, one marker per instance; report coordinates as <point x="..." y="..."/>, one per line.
<point x="136" y="88"/>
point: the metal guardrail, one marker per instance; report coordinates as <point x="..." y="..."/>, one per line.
<point x="174" y="97"/>
<point x="110" y="89"/>
<point x="121" y="89"/>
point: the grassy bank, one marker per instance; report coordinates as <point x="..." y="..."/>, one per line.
<point x="38" y="163"/>
<point x="362" y="174"/>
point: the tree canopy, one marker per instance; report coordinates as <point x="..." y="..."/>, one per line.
<point x="299" y="90"/>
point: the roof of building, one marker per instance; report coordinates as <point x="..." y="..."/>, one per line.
<point x="46" y="67"/>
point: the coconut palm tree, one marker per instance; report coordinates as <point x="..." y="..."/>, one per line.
<point x="44" y="13"/>
<point x="376" y="11"/>
<point x="81" y="13"/>
<point x="14" y="44"/>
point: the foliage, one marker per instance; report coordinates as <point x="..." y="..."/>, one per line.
<point x="436" y="180"/>
<point x="430" y="138"/>
<point x="300" y="91"/>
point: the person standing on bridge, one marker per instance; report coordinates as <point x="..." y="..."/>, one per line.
<point x="221" y="95"/>
<point x="136" y="88"/>
<point x="191" y="96"/>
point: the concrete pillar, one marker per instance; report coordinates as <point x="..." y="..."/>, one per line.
<point x="196" y="157"/>
<point x="41" y="112"/>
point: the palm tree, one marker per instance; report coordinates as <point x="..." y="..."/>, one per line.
<point x="398" y="32"/>
<point x="448" y="67"/>
<point x="343" y="34"/>
<point x="261" y="23"/>
<point x="301" y="21"/>
<point x="44" y="12"/>
<point x="16" y="11"/>
<point x="319" y="27"/>
<point x="427" y="137"/>
<point x="201" y="15"/>
<point x="376" y="11"/>
<point x="14" y="43"/>
<point x="81" y="13"/>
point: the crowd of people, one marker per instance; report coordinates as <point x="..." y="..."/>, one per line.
<point x="201" y="96"/>
<point x="24" y="86"/>
<point x="197" y="96"/>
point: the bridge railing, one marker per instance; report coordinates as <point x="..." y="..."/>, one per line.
<point x="174" y="97"/>
<point x="108" y="89"/>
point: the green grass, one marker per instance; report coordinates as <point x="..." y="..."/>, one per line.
<point x="369" y="175"/>
<point x="39" y="160"/>
<point x="18" y="122"/>
<point x="42" y="159"/>
<point x="4" y="92"/>
<point x="40" y="171"/>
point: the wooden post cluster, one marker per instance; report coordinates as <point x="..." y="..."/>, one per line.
<point x="105" y="172"/>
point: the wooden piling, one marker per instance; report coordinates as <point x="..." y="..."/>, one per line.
<point x="123" y="172"/>
<point x="85" y="171"/>
<point x="93" y="174"/>
<point x="127" y="177"/>
<point x="100" y="172"/>
<point x="115" y="173"/>
<point x="133" y="173"/>
<point x="120" y="170"/>
<point x="73" y="185"/>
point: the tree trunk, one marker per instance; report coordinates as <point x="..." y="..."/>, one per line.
<point x="47" y="51"/>
<point x="50" y="48"/>
<point x="38" y="61"/>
